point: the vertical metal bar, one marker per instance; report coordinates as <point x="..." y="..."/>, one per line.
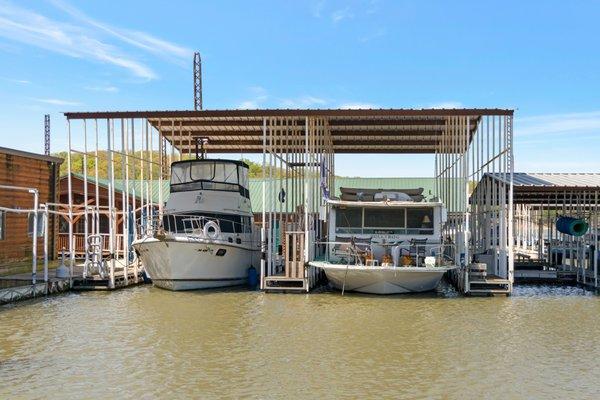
<point x="111" y="206"/>
<point x="264" y="206"/>
<point x="96" y="186"/>
<point x="306" y="189"/>
<point x="85" y="200"/>
<point x="70" y="196"/>
<point x="596" y="229"/>
<point x="34" y="236"/>
<point x="46" y="221"/>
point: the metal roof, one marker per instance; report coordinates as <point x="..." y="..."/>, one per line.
<point x="556" y="188"/>
<point x="352" y="131"/>
<point x="552" y="180"/>
<point x="26" y="154"/>
<point x="255" y="187"/>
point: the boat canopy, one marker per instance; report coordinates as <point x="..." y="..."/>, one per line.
<point x="210" y="174"/>
<point x="402" y="204"/>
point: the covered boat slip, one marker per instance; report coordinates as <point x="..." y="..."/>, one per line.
<point x="298" y="149"/>
<point x="545" y="251"/>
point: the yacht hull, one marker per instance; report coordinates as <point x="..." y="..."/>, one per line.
<point x="382" y="280"/>
<point x="190" y="264"/>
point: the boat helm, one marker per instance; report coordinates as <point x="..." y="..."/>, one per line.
<point x="211" y="230"/>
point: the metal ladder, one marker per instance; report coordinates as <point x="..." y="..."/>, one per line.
<point x="95" y="263"/>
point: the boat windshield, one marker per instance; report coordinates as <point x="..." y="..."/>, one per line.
<point x="209" y="175"/>
<point x="365" y="220"/>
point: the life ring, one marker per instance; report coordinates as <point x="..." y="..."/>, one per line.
<point x="211" y="230"/>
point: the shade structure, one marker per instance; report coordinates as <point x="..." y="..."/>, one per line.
<point x="390" y="131"/>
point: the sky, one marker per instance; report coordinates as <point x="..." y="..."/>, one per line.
<point x="540" y="58"/>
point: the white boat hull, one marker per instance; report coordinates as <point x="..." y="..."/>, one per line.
<point x="382" y="280"/>
<point x="187" y="264"/>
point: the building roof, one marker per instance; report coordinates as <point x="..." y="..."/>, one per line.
<point x="26" y="154"/>
<point x="255" y="187"/>
<point x="352" y="131"/>
<point x="554" y="187"/>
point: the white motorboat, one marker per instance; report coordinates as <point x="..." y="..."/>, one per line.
<point x="389" y="244"/>
<point x="207" y="237"/>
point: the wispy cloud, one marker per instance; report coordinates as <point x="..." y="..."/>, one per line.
<point x="108" y="89"/>
<point x="373" y="35"/>
<point x="85" y="39"/>
<point x="569" y="124"/>
<point x="372" y="6"/>
<point x="357" y="106"/>
<point x="19" y="81"/>
<point x="341" y="14"/>
<point x="258" y="96"/>
<point x="138" y="39"/>
<point x="59" y="102"/>
<point x="317" y="8"/>
<point x="302" y="102"/>
<point x="446" y="104"/>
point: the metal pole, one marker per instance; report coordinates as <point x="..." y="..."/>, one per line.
<point x="85" y="199"/>
<point x="70" y="195"/>
<point x="46" y="249"/>
<point x="111" y="204"/>
<point x="34" y="235"/>
<point x="264" y="206"/>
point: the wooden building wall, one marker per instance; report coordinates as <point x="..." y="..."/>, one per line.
<point x="25" y="170"/>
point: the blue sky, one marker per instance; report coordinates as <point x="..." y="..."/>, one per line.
<point x="541" y="58"/>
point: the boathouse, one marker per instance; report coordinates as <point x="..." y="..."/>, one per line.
<point x="27" y="180"/>
<point x="556" y="226"/>
<point x="465" y="145"/>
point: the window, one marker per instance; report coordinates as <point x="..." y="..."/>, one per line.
<point x="226" y="172"/>
<point x="348" y="217"/>
<point x="2" y="225"/>
<point x="243" y="174"/>
<point x="420" y="220"/>
<point x="384" y="218"/>
<point x="203" y="171"/>
<point x="40" y="224"/>
<point x="180" y="173"/>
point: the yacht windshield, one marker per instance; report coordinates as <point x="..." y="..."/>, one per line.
<point x="180" y="173"/>
<point x="202" y="171"/>
<point x="209" y="175"/>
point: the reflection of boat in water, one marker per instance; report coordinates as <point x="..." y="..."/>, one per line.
<point x="207" y="238"/>
<point x="386" y="245"/>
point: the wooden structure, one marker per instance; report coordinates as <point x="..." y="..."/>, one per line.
<point x="298" y="148"/>
<point x="26" y="170"/>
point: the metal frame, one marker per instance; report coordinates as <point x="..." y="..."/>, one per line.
<point x="298" y="148"/>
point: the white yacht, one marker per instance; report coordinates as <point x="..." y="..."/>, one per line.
<point x="207" y="238"/>
<point x="387" y="244"/>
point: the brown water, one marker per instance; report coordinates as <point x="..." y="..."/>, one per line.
<point x="149" y="343"/>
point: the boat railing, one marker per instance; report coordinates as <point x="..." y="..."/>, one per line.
<point x="358" y="250"/>
<point x="195" y="225"/>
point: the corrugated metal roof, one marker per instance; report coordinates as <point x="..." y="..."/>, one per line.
<point x="255" y="187"/>
<point x="553" y="180"/>
<point x="428" y="185"/>
<point x="352" y="130"/>
<point x="133" y="185"/>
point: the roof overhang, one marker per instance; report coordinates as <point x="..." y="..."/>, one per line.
<point x="552" y="189"/>
<point x="352" y="131"/>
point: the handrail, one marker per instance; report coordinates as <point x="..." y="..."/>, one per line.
<point x="189" y="224"/>
<point x="353" y="245"/>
